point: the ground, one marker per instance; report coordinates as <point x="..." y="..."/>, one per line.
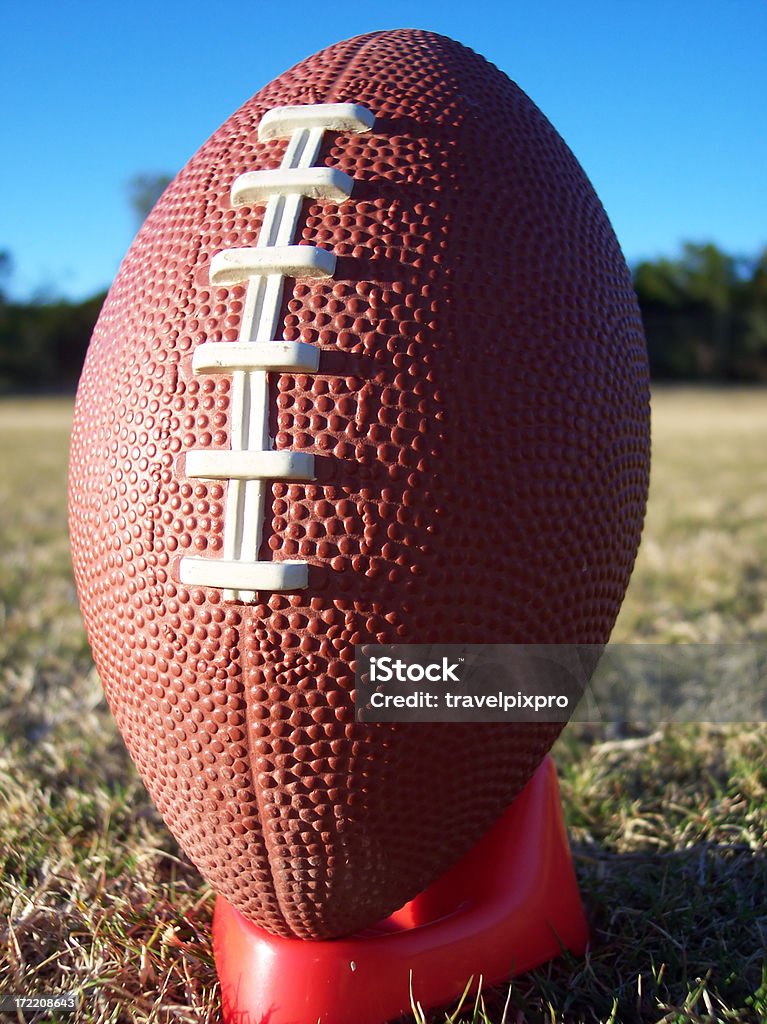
<point x="668" y="823"/>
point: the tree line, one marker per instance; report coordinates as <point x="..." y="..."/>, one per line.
<point x="705" y="315"/>
<point x="704" y="311"/>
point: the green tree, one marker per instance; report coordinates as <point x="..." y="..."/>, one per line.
<point x="6" y="269"/>
<point x="752" y="302"/>
<point x="143" y="192"/>
<point x="703" y="314"/>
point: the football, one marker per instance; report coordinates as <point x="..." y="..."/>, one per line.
<point x="372" y="372"/>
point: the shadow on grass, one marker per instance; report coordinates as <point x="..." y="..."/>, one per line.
<point x="676" y="936"/>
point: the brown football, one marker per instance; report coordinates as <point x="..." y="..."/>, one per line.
<point x="372" y="371"/>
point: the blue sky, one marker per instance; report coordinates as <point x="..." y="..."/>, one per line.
<point x="662" y="102"/>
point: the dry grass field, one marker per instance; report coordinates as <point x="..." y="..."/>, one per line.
<point x="668" y="824"/>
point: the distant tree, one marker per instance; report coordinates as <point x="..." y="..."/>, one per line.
<point x="658" y="283"/>
<point x="703" y="315"/>
<point x="143" y="192"/>
<point x="6" y="269"/>
<point x="752" y="304"/>
<point x="42" y="346"/>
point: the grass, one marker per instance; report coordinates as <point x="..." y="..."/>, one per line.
<point x="700" y="575"/>
<point x="668" y="826"/>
